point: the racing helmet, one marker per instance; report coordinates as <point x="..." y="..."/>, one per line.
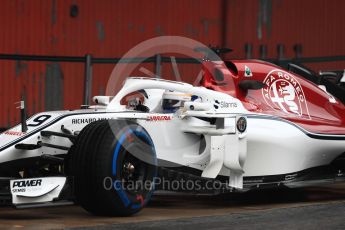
<point x="172" y="101"/>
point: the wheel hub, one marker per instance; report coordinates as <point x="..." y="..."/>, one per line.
<point x="128" y="169"/>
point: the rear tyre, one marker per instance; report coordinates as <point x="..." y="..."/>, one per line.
<point x="114" y="166"/>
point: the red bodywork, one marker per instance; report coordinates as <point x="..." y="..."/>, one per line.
<point x="285" y="95"/>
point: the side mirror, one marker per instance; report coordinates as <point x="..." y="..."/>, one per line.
<point x="300" y="70"/>
<point x="330" y="76"/>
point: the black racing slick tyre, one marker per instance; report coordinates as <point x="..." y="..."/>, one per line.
<point x="114" y="166"/>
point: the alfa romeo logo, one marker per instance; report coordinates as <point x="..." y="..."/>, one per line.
<point x="283" y="92"/>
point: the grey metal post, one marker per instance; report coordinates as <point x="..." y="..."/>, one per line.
<point x="298" y="50"/>
<point x="248" y="49"/>
<point x="88" y="79"/>
<point x="158" y="63"/>
<point x="281" y="51"/>
<point x="263" y="51"/>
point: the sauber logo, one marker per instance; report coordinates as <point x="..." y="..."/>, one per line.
<point x="27" y="183"/>
<point x="159" y="118"/>
<point x="283" y="91"/>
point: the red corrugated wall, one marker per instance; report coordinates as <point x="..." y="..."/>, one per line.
<point x="108" y="28"/>
<point x="318" y="25"/>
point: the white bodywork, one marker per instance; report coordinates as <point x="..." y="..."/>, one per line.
<point x="270" y="146"/>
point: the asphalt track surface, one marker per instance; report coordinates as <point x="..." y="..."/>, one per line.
<point x="309" y="208"/>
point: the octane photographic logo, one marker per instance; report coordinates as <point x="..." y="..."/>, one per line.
<point x="177" y="45"/>
<point x="170" y="47"/>
<point x="282" y="91"/>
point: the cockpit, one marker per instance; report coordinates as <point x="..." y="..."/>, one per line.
<point x="147" y="101"/>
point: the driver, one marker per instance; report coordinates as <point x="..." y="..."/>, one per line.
<point x="172" y="101"/>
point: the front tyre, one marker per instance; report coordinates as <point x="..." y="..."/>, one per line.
<point x="114" y="166"/>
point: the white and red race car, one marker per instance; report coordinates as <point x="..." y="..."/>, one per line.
<point x="107" y="157"/>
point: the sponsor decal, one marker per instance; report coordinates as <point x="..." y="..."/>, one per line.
<point x="27" y="183"/>
<point x="247" y="72"/>
<point x="83" y="121"/>
<point x="224" y="104"/>
<point x="14" y="133"/>
<point x="22" y="185"/>
<point x="159" y="118"/>
<point x="78" y="121"/>
<point x="282" y="91"/>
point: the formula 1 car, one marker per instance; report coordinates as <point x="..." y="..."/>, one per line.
<point x="96" y="156"/>
<point x="249" y="125"/>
